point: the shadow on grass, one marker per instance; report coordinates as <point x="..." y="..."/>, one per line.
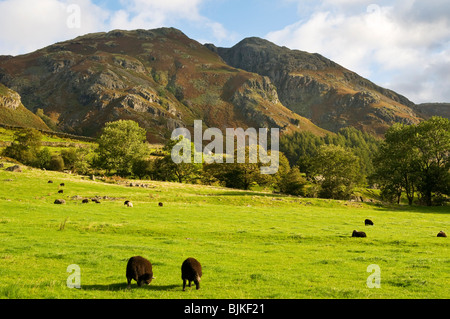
<point x="411" y="209"/>
<point x="123" y="286"/>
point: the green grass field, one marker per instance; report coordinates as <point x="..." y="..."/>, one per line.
<point x="251" y="244"/>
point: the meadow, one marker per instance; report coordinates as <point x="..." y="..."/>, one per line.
<point x="252" y="245"/>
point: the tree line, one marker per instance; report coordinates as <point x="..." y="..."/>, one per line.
<point x="411" y="160"/>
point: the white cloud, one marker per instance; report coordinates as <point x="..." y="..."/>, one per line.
<point x="400" y="45"/>
<point x="28" y="25"/>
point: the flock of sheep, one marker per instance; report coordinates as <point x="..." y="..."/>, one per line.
<point x="140" y="269"/>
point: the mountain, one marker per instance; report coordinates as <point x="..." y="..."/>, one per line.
<point x="320" y="89"/>
<point x="160" y="78"/>
<point x="431" y="109"/>
<point x="13" y="113"/>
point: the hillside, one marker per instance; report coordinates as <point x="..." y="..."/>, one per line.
<point x="13" y="113"/>
<point x="320" y="89"/>
<point x="431" y="109"/>
<point x="159" y="78"/>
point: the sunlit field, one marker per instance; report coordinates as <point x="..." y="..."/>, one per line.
<point x="250" y="244"/>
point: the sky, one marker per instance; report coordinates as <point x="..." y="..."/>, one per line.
<point x="403" y="45"/>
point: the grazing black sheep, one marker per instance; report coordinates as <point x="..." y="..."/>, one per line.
<point x="368" y="222"/>
<point x="60" y="201"/>
<point x="50" y="182"/>
<point x="85" y="201"/>
<point x="62" y="184"/>
<point x="358" y="234"/>
<point x="139" y="269"/>
<point x="160" y="204"/>
<point x="95" y="201"/>
<point x="441" y="234"/>
<point x="191" y="270"/>
<point x="60" y="191"/>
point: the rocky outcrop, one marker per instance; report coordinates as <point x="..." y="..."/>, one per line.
<point x="9" y="99"/>
<point x="159" y="78"/>
<point x="319" y="89"/>
<point x="13" y="113"/>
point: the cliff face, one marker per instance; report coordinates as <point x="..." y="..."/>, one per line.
<point x="319" y="89"/>
<point x="159" y="78"/>
<point x="13" y="113"/>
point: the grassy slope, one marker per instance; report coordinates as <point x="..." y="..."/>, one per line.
<point x="251" y="245"/>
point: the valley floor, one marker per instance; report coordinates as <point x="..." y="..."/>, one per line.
<point x="251" y="245"/>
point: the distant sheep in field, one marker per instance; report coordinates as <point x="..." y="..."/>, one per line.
<point x="60" y="191"/>
<point x="50" y="182"/>
<point x="59" y="201"/>
<point x="128" y="203"/>
<point x="368" y="222"/>
<point x="358" y="234"/>
<point x="62" y="184"/>
<point x="191" y="270"/>
<point x="441" y="234"/>
<point x="95" y="201"/>
<point x="160" y="204"/>
<point x="85" y="201"/>
<point x="139" y="269"/>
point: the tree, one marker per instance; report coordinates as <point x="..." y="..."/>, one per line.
<point x="293" y="183"/>
<point x="415" y="158"/>
<point x="396" y="165"/>
<point x="56" y="163"/>
<point x="181" y="170"/>
<point x="120" y="145"/>
<point x="337" y="170"/>
<point x="432" y="144"/>
<point x="142" y="168"/>
<point x="248" y="173"/>
<point x="25" y="147"/>
<point x="43" y="158"/>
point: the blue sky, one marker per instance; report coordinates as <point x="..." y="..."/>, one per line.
<point x="403" y="45"/>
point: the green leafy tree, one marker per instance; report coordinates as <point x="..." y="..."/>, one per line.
<point x="172" y="168"/>
<point x="121" y="144"/>
<point x="56" y="163"/>
<point x="25" y="147"/>
<point x="43" y="158"/>
<point x="337" y="170"/>
<point x="84" y="160"/>
<point x="396" y="163"/>
<point x="432" y="143"/>
<point x="415" y="159"/>
<point x="293" y="183"/>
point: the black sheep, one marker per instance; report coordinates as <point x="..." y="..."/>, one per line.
<point x="160" y="204"/>
<point x="358" y="234"/>
<point x="441" y="234"/>
<point x="368" y="222"/>
<point x="139" y="269"/>
<point x="85" y="201"/>
<point x="191" y="270"/>
<point x="62" y="184"/>
<point x="60" y="191"/>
